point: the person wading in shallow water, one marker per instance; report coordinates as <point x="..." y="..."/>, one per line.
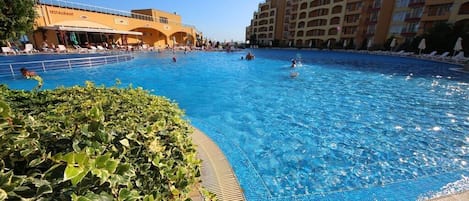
<point x="32" y="75"/>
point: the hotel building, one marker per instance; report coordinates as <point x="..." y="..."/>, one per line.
<point x="350" y="23"/>
<point x="67" y="23"/>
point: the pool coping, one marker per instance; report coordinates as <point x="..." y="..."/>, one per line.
<point x="455" y="197"/>
<point x="216" y="173"/>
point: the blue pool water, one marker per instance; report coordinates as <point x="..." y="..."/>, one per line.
<point x="349" y="127"/>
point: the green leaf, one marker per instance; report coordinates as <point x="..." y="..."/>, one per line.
<point x="45" y="189"/>
<point x="3" y="194"/>
<point x="111" y="165"/>
<point x="75" y="173"/>
<point x="128" y="195"/>
<point x="125" y="142"/>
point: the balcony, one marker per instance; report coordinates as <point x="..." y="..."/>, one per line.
<point x="416" y="3"/>
<point x="412" y="18"/>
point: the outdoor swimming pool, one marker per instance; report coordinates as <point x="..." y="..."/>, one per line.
<point x="349" y="127"/>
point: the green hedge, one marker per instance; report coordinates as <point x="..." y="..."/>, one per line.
<point x="94" y="143"/>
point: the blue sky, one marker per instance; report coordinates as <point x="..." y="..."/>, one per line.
<point x="216" y="19"/>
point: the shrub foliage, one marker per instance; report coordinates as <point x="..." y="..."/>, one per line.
<point x="94" y="143"/>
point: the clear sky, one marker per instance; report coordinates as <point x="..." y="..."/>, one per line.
<point x="217" y="19"/>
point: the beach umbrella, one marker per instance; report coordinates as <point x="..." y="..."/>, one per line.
<point x="328" y="43"/>
<point x="457" y="46"/>
<point x="393" y="43"/>
<point x="270" y="43"/>
<point x="345" y="44"/>
<point x="310" y="43"/>
<point x="370" y="44"/>
<point x="289" y="44"/>
<point x="422" y="45"/>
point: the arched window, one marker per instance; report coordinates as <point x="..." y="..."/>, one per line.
<point x="303" y="6"/>
<point x="332" y="31"/>
<point x="335" y="20"/>
<point x="302" y="15"/>
<point x="301" y="25"/>
<point x="272" y="13"/>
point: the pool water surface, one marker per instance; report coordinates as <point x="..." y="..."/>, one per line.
<point x="350" y="126"/>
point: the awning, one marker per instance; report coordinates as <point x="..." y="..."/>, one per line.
<point x="91" y="29"/>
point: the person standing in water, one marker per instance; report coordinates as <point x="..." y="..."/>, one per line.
<point x="32" y="75"/>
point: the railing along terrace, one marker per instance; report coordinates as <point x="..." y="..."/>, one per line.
<point x="13" y="69"/>
<point x="92" y="8"/>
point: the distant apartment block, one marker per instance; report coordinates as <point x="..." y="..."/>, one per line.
<point x="349" y="23"/>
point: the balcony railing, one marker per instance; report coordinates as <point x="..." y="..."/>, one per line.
<point x="13" y="69"/>
<point x="92" y="8"/>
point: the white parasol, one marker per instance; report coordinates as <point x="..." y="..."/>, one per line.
<point x="457" y="46"/>
<point x="422" y="45"/>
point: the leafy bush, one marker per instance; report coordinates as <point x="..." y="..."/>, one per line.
<point x="94" y="143"/>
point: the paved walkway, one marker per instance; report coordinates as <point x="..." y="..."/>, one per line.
<point x="457" y="197"/>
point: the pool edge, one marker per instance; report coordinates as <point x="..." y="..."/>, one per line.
<point x="216" y="172"/>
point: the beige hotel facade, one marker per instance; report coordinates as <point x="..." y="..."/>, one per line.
<point x="349" y="23"/>
<point x="68" y="23"/>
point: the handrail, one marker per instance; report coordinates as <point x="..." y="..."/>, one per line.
<point x="9" y="69"/>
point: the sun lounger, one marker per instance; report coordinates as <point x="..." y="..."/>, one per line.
<point x="459" y="58"/>
<point x="80" y="49"/>
<point x="61" y="48"/>
<point x="8" y="50"/>
<point x="442" y="56"/>
<point x="92" y="49"/>
<point x="432" y="54"/>
<point x="100" y="48"/>
<point x="29" y="48"/>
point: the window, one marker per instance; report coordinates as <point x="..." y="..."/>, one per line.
<point x="402" y="3"/>
<point x="303" y="6"/>
<point x="337" y="9"/>
<point x="371" y="29"/>
<point x="335" y="20"/>
<point x="299" y="33"/>
<point x="301" y="25"/>
<point x="395" y="29"/>
<point x="399" y="16"/>
<point x="302" y="15"/>
<point x="377" y="4"/>
<point x="464" y="9"/>
<point x="332" y="31"/>
<point x="439" y="10"/>
<point x="415" y="13"/>
<point x="164" y="20"/>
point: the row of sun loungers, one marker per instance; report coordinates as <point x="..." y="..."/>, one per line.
<point x="28" y="48"/>
<point x="59" y="49"/>
<point x="445" y="56"/>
